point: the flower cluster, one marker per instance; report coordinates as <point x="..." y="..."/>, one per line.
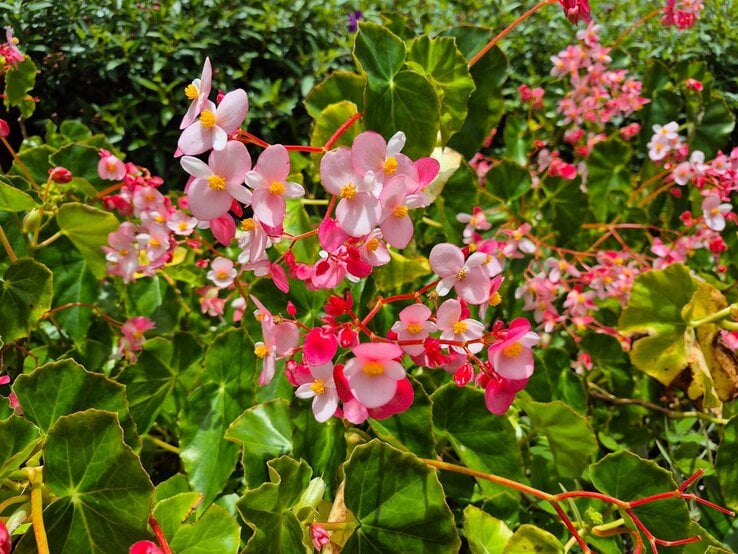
<point x="597" y="94"/>
<point x="681" y="13"/>
<point x="10" y="55"/>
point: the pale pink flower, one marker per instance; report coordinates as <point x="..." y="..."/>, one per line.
<point x="181" y="224"/>
<point x="122" y="255"/>
<point x="579" y="303"/>
<point x="210" y="303"/>
<point x="197" y="92"/>
<point x="222" y="273"/>
<point x="373" y="249"/>
<point x="371" y="153"/>
<point x="467" y="277"/>
<point x="683" y="173"/>
<point x="397" y="227"/>
<point x="133" y="337"/>
<point x="215" y="125"/>
<point x="218" y="182"/>
<point x="512" y="357"/>
<point x="414" y="325"/>
<point x="373" y="374"/>
<point x="268" y="181"/>
<point x="110" y="167"/>
<point x="322" y="389"/>
<point x="714" y="212"/>
<point x="476" y="221"/>
<point x="280" y="339"/>
<point x="253" y="241"/>
<point x="448" y="320"/>
<point x="358" y="209"/>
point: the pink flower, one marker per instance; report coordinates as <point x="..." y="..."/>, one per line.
<point x="210" y="303"/>
<point x="9" y="50"/>
<point x="414" y="325"/>
<point x="453" y="327"/>
<point x="222" y="273"/>
<point x="268" y="180"/>
<point x="215" y="125"/>
<point x="6" y="544"/>
<point x="512" y="357"/>
<point x="467" y="277"/>
<point x="145" y="547"/>
<point x="197" y="92"/>
<point x="500" y="393"/>
<point x="280" y="339"/>
<point x="358" y="209"/>
<point x="714" y="212"/>
<point x="110" y="167"/>
<point x="396" y="226"/>
<point x="218" y="182"/>
<point x="319" y="536"/>
<point x="576" y="10"/>
<point x="133" y="337"/>
<point x="321" y="388"/>
<point x="373" y="374"/>
<point x="320" y="346"/>
<point x="371" y="153"/>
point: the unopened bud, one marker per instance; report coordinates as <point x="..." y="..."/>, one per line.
<point x="31" y="221"/>
<point x="60" y="175"/>
<point x="4" y="128"/>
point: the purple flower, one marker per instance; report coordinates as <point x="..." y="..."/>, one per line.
<point x="353" y="20"/>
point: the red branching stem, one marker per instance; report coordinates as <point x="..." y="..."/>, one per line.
<point x="690" y="496"/>
<point x="308" y="149"/>
<point x="166" y="549"/>
<point x="571" y="528"/>
<point x="112" y="188"/>
<point x="691" y="479"/>
<point x="341" y="130"/>
<point x="247" y="137"/>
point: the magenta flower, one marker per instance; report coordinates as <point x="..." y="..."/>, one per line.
<point x="500" y="393"/>
<point x="414" y="325"/>
<point x="212" y="129"/>
<point x="453" y="327"/>
<point x="512" y="357"/>
<point x="467" y="277"/>
<point x="358" y="209"/>
<point x="321" y="388"/>
<point x="320" y="346"/>
<point x="576" y="10"/>
<point x="197" y="92"/>
<point x="268" y="180"/>
<point x="373" y="374"/>
<point x="218" y="182"/>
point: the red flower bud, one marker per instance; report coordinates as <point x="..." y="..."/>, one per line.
<point x="60" y="175"/>
<point x="4" y="128"/>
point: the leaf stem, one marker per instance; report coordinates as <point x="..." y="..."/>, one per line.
<point x="717" y="316"/>
<point x="37" y="519"/>
<point x="51" y="239"/>
<point x="6" y="244"/>
<point x="487" y="47"/>
<point x="12" y="500"/>
<point x="630" y="29"/>
<point x="20" y="163"/>
<point x="163" y="445"/>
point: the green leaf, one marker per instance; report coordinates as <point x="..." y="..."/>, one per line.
<point x="25" y="295"/>
<point x="628" y="477"/>
<point x="655" y="309"/>
<point x="398" y="502"/>
<point x="569" y="207"/>
<point x="408" y="103"/>
<point x="486" y="105"/>
<point x="264" y="432"/>
<point x="228" y="363"/>
<point x="19" y="438"/>
<point x="267" y="509"/>
<point x="608" y="173"/>
<point x="207" y="457"/>
<point x="61" y="388"/>
<point x="508" y="180"/>
<point x="400" y="272"/>
<point x="330" y="120"/>
<point x="153" y="377"/>
<point x="104" y="493"/>
<point x="322" y="445"/>
<point x="81" y="160"/>
<point x="412" y="429"/>
<point x="712" y="127"/>
<point x="378" y="51"/>
<point x="13" y="199"/>
<point x="214" y="531"/>
<point x="447" y="69"/>
<point x="529" y="538"/>
<point x="725" y="466"/>
<point x="88" y="229"/>
<point x="485" y="534"/>
<point x="19" y="80"/>
<point x="338" y="87"/>
<point x="74" y="283"/>
<point x="569" y="435"/>
<point x="36" y="161"/>
<point x="482" y="441"/>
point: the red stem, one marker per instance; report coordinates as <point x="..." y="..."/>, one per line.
<point x="166" y="549"/>
<point x="341" y="130"/>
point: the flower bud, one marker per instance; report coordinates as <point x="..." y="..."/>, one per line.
<point x="31" y="221"/>
<point x="60" y="175"/>
<point x="4" y="128"/>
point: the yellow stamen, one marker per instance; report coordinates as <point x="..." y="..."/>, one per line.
<point x="221" y="275"/>
<point x="461" y="274"/>
<point x="277" y="187"/>
<point x="248" y="225"/>
<point x="472" y="247"/>
<point x="373" y="369"/>
<point x="348" y="191"/>
<point x="153" y="242"/>
<point x="191" y="91"/>
<point x="372" y="244"/>
<point x="182" y="226"/>
<point x="400" y="211"/>
<point x="261" y="351"/>
<point x="414" y="328"/>
<point x="495" y="299"/>
<point x="459" y="328"/>
<point x="318" y="387"/>
<point x="390" y="166"/>
<point x="111" y="166"/>
<point x="513" y="350"/>
<point x="207" y="119"/>
<point x="714" y="211"/>
<point x="159" y="219"/>
<point x="216" y="182"/>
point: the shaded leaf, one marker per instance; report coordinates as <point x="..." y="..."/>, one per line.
<point x="25" y="295"/>
<point x="13" y="199"/>
<point x="88" y="229"/>
<point x="330" y="120"/>
<point x="378" y="51"/>
<point x="725" y="466"/>
<point x="485" y="534"/>
<point x="508" y="180"/>
<point x="19" y="438"/>
<point x="339" y="86"/>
